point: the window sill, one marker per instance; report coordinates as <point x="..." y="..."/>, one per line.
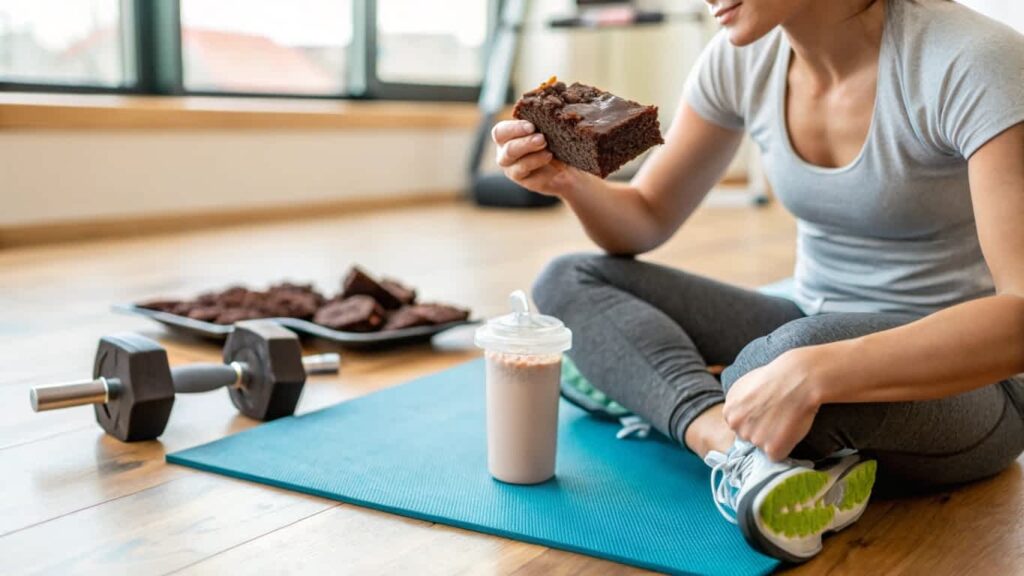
<point x="31" y="111"/>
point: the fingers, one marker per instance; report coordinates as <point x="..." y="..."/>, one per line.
<point x="509" y="129"/>
<point x="775" y="451"/>
<point x="515" y="149"/>
<point x="528" y="164"/>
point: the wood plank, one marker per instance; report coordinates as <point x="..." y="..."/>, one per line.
<point x="560" y="563"/>
<point x="101" y="228"/>
<point x="40" y="111"/>
<point x="338" y="540"/>
<point x="158" y="530"/>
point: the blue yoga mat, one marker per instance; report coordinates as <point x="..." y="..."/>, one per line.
<point x="419" y="450"/>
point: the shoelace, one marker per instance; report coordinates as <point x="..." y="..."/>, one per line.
<point x="730" y="470"/>
<point x="633" y="426"/>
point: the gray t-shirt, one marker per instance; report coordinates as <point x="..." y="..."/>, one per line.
<point x="894" y="230"/>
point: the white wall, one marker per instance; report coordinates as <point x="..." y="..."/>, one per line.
<point x="48" y="176"/>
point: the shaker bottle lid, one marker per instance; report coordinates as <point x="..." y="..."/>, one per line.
<point x="523" y="331"/>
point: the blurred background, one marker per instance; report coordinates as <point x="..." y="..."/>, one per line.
<point x="93" y="95"/>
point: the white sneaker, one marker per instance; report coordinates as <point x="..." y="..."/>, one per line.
<point x="783" y="508"/>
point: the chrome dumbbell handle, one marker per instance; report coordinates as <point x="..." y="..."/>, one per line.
<point x="192" y="378"/>
<point x="329" y="363"/>
<point x="79" y="393"/>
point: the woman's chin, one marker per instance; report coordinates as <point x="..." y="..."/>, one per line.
<point x="740" y="35"/>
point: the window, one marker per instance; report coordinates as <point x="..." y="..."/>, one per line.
<point x="423" y="43"/>
<point x="77" y="42"/>
<point x="270" y="46"/>
<point x="395" y="49"/>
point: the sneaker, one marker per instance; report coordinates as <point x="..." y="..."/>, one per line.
<point x="784" y="508"/>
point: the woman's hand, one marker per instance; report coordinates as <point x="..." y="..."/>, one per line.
<point x="523" y="155"/>
<point x="773" y="406"/>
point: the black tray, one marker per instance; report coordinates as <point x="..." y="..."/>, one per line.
<point x="211" y="331"/>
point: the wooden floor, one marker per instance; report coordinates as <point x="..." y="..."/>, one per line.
<point x="75" y="501"/>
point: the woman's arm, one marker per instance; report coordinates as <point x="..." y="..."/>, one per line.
<point x="962" y="347"/>
<point x="953" y="351"/>
<point x="635" y="217"/>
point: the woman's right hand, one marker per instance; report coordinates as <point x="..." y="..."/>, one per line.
<point x="522" y="154"/>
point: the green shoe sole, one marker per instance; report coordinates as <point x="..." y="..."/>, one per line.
<point x="788" y="520"/>
<point x="858" y="483"/>
<point x="796" y="508"/>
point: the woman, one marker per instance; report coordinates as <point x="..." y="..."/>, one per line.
<point x="892" y="129"/>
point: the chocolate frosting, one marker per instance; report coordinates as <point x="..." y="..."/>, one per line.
<point x="602" y="113"/>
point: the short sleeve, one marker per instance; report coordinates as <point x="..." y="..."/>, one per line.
<point x="979" y="89"/>
<point x="714" y="88"/>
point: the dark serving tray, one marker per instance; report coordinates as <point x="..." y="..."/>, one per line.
<point x="211" y="331"/>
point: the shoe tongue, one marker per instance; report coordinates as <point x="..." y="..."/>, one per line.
<point x="714" y="458"/>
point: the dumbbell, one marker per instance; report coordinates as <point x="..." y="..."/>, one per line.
<point x="133" y="385"/>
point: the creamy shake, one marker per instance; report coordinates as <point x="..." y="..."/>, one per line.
<point x="524" y="366"/>
<point x="522" y="416"/>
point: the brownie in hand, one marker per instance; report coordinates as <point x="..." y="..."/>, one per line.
<point x="589" y="128"/>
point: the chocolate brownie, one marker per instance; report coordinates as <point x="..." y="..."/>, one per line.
<point x="358" y="313"/>
<point x="232" y="315"/>
<point x="232" y="297"/>
<point x="359" y="283"/>
<point x="424" y="315"/>
<point x="589" y="128"/>
<point x="365" y="305"/>
<point x="161" y="305"/>
<point x="399" y="291"/>
<point x="238" y="303"/>
<point x="290" y="288"/>
<point x="205" y="313"/>
<point x="405" y="317"/>
<point x="288" y="300"/>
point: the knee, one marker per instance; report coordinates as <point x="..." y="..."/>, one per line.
<point x="808" y="331"/>
<point x="559" y="283"/>
<point x="798" y="333"/>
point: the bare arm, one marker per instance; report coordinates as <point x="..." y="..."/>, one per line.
<point x="635" y="217"/>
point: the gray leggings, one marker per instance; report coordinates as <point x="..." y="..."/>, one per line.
<point x="645" y="334"/>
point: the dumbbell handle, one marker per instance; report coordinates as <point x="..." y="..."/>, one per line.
<point x="327" y="363"/>
<point x="205" y="377"/>
<point x="80" y="393"/>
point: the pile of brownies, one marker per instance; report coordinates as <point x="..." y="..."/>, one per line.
<point x="363" y="305"/>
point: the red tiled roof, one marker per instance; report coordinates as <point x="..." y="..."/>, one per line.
<point x="239" y="62"/>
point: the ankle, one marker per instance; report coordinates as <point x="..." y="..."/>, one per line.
<point x="708" y="432"/>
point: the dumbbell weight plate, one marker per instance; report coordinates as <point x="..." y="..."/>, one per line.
<point x="140" y="406"/>
<point x="275" y="377"/>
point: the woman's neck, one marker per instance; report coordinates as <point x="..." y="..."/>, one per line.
<point x="834" y="38"/>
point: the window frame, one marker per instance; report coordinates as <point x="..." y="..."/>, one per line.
<point x="153" y="55"/>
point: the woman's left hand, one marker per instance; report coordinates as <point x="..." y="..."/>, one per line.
<point x="773" y="406"/>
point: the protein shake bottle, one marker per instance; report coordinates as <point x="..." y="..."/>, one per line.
<point x="524" y="366"/>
